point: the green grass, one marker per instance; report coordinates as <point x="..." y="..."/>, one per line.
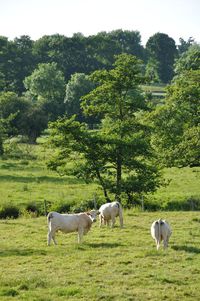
<point x="111" y="264"/>
<point x="23" y="181"/>
<point x="181" y="184"/>
<point x="154" y="88"/>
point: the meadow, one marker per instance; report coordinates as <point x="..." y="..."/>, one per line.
<point x="110" y="264"/>
<point x="26" y="179"/>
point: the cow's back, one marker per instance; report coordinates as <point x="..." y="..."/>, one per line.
<point x="64" y="222"/>
<point x="108" y="209"/>
<point x="160" y="230"/>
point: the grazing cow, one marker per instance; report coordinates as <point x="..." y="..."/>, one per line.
<point x="108" y="212"/>
<point x="160" y="230"/>
<point x="80" y="222"/>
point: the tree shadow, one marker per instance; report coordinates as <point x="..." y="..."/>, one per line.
<point x="38" y="179"/>
<point x="21" y="252"/>
<point x="189" y="249"/>
<point x="104" y="245"/>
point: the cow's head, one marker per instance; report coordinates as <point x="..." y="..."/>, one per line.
<point x="93" y="215"/>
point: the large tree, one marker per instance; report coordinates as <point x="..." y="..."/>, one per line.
<point x="184" y="45"/>
<point x="46" y="85"/>
<point x="12" y="105"/>
<point x="118" y="155"/>
<point x="16" y="62"/>
<point x="77" y="86"/>
<point x="20" y="116"/>
<point x="189" y="60"/>
<point x="177" y="134"/>
<point x="161" y="48"/>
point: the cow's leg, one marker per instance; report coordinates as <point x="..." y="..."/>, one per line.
<point x="49" y="237"/>
<point x="107" y="222"/>
<point x="165" y="242"/>
<point x="80" y="234"/>
<point x="101" y="220"/>
<point x="112" y="221"/>
<point x="54" y="238"/>
<point x="157" y="244"/>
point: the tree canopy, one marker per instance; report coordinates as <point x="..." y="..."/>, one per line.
<point x="176" y="123"/>
<point x="161" y="48"/>
<point x="77" y="86"/>
<point x="46" y="85"/>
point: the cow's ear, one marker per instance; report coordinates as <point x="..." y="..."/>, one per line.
<point x="88" y="213"/>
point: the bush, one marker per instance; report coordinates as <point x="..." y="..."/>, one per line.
<point x="151" y="205"/>
<point x="87" y="205"/>
<point x="33" y="209"/>
<point x="61" y="207"/>
<point x="9" y="211"/>
<point x="185" y="205"/>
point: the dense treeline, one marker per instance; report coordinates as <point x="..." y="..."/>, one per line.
<point x="18" y="58"/>
<point x="76" y="54"/>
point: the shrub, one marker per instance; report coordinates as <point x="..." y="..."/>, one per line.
<point x="187" y="204"/>
<point x="33" y="209"/>
<point x="9" y="211"/>
<point x="151" y="206"/>
<point x="87" y="205"/>
<point x="10" y="292"/>
<point x="61" y="206"/>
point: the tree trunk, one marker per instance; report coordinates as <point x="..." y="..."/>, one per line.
<point x="103" y="186"/>
<point x="118" y="176"/>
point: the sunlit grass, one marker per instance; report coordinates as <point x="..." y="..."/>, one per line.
<point x="28" y="180"/>
<point x="111" y="264"/>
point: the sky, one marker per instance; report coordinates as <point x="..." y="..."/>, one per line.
<point x="36" y="18"/>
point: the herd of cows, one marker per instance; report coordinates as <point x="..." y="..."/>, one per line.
<point x="82" y="222"/>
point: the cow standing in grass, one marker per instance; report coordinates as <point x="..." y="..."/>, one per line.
<point x="110" y="211"/>
<point x="161" y="231"/>
<point x="80" y="222"/>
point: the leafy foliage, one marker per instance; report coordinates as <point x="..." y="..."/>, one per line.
<point x="46" y="86"/>
<point x="177" y="134"/>
<point x="22" y="116"/>
<point x="161" y="48"/>
<point x="9" y="211"/>
<point x="78" y="85"/>
<point x="189" y="60"/>
<point x="118" y="155"/>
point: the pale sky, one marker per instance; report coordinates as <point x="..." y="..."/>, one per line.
<point x="36" y="18"/>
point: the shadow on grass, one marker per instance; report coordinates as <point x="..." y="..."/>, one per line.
<point x="50" y="179"/>
<point x="104" y="245"/>
<point x="9" y="165"/>
<point x="21" y="252"/>
<point x="189" y="249"/>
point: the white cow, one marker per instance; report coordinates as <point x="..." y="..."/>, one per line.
<point x="80" y="222"/>
<point x="110" y="211"/>
<point x="160" y="230"/>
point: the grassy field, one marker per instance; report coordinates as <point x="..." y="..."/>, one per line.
<point x="111" y="264"/>
<point x="29" y="180"/>
<point x="25" y="181"/>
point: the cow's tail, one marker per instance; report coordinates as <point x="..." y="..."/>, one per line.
<point x="49" y="217"/>
<point x="160" y="222"/>
<point x="120" y="215"/>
